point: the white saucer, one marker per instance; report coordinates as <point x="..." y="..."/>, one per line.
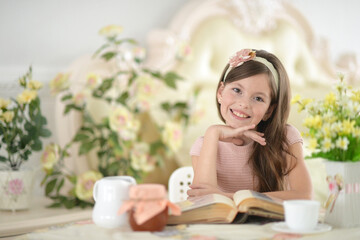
<point x="282" y="227"/>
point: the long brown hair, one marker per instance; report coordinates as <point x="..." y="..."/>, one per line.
<point x="268" y="162"/>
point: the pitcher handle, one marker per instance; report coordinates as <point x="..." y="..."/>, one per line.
<point x="130" y="179"/>
<point x="95" y="190"/>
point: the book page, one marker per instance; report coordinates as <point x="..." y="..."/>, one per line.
<point x="246" y="199"/>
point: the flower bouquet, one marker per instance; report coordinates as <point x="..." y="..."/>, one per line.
<point x="127" y="140"/>
<point x="333" y="123"/>
<point x="334" y="135"/>
<point x="22" y="127"/>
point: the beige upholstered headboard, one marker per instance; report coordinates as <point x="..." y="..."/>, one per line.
<point x="215" y="29"/>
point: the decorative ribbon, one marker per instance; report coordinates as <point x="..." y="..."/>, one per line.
<point x="336" y="186"/>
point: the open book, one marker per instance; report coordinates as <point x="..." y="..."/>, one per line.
<point x="217" y="208"/>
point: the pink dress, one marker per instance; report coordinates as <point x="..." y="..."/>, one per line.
<point x="233" y="170"/>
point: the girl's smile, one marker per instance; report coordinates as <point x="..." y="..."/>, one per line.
<point x="246" y="101"/>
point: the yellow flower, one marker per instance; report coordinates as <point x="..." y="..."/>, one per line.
<point x="356" y="132"/>
<point x="111" y="30"/>
<point x="330" y="100"/>
<point x="26" y="96"/>
<point x="122" y="121"/>
<point x="141" y="159"/>
<point x="80" y="98"/>
<point x="327" y="145"/>
<point x="139" y="53"/>
<point x="296" y="99"/>
<point x="306" y="101"/>
<point x="7" y="116"/>
<point x="59" y="83"/>
<point x="326" y="130"/>
<point x="146" y="88"/>
<point x="313" y="144"/>
<point x="34" y="85"/>
<point x="50" y="157"/>
<point x="342" y="143"/>
<point x="85" y="184"/>
<point x="4" y="103"/>
<point x="313" y="122"/>
<point x="355" y="96"/>
<point x="347" y="126"/>
<point x="172" y="135"/>
<point x="92" y="80"/>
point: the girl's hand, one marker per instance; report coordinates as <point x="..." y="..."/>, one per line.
<point x="236" y="135"/>
<point x="202" y="189"/>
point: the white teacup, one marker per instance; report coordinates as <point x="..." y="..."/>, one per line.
<point x="301" y="215"/>
<point x="109" y="194"/>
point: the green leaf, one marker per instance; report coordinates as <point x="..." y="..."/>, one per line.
<point x="113" y="168"/>
<point x="28" y="127"/>
<point x="67" y="97"/>
<point x="61" y="184"/>
<point x="87" y="129"/>
<point x="86" y="147"/>
<point x="155" y="146"/>
<point x="166" y="106"/>
<point x="180" y="105"/>
<point x="123" y="97"/>
<point x="37" y="145"/>
<point x="72" y="179"/>
<point x="170" y="79"/>
<point x="108" y="55"/>
<point x="69" y="203"/>
<point x="55" y="205"/>
<point x="45" y="132"/>
<point x="50" y="186"/>
<point x="81" y="137"/>
<point x="3" y="159"/>
<point x="100" y="49"/>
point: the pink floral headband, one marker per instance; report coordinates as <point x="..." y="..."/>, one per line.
<point x="245" y="55"/>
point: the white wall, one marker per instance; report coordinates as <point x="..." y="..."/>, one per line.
<point x="50" y="34"/>
<point x="336" y="21"/>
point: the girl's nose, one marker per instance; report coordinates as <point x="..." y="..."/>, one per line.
<point x="243" y="102"/>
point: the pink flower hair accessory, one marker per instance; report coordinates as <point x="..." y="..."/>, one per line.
<point x="245" y="55"/>
<point x="241" y="56"/>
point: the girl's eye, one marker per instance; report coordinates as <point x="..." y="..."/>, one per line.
<point x="259" y="99"/>
<point x="237" y="90"/>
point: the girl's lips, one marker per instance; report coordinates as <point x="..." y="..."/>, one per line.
<point x="240" y="114"/>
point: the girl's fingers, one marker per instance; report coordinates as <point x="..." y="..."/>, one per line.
<point x="256" y="137"/>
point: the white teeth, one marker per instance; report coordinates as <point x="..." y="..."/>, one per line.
<point x="240" y="115"/>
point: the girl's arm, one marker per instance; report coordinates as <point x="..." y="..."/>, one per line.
<point x="205" y="165"/>
<point x="299" y="177"/>
<point x="205" y="176"/>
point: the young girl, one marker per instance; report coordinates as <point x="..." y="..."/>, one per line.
<point x="256" y="149"/>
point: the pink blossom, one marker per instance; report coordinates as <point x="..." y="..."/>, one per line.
<point x="241" y="56"/>
<point x="15" y="186"/>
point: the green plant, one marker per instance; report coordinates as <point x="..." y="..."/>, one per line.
<point x="127" y="140"/>
<point x="333" y="123"/>
<point x="22" y="125"/>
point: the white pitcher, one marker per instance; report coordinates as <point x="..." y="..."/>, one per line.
<point x="109" y="194"/>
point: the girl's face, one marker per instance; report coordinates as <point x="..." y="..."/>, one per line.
<point x="246" y="101"/>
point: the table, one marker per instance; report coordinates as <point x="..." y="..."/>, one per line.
<point x="38" y="216"/>
<point x="89" y="231"/>
<point x="40" y="223"/>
